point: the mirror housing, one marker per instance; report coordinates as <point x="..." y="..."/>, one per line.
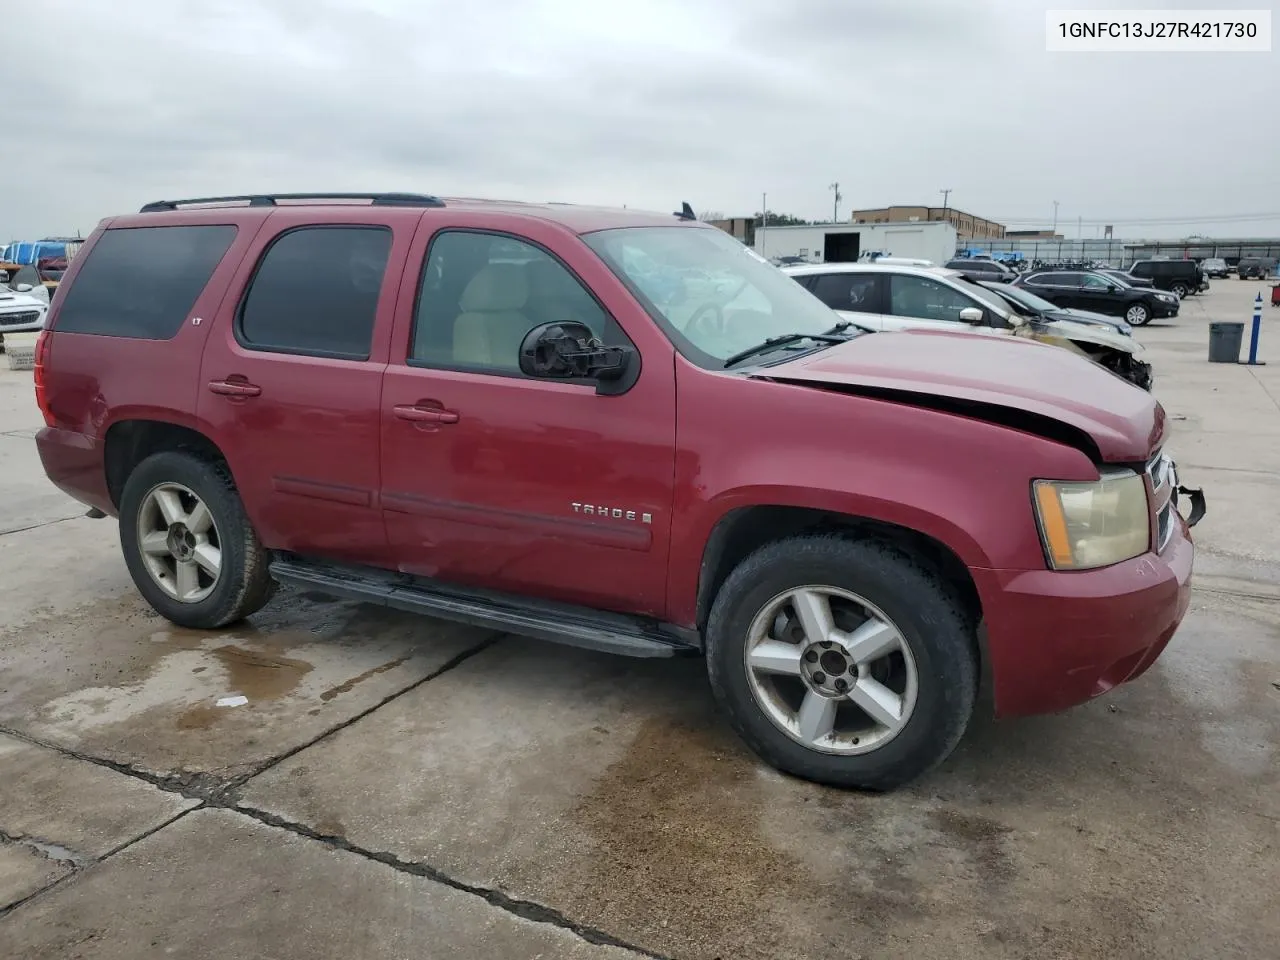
<point x="971" y="315"/>
<point x="570" y="351"/>
<point x="23" y="288"/>
<point x="1112" y="288"/>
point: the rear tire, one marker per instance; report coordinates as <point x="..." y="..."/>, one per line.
<point x="925" y="685"/>
<point x="1180" y="290"/>
<point x="188" y="543"/>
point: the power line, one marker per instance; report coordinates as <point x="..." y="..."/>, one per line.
<point x="1195" y="218"/>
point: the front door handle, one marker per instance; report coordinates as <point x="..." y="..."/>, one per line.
<point x="424" y="414"/>
<point x="234" y="388"/>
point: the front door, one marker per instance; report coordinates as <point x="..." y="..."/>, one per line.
<point x="922" y="303"/>
<point x="533" y="487"/>
<point x="291" y="379"/>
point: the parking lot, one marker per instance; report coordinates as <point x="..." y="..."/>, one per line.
<point x="396" y="787"/>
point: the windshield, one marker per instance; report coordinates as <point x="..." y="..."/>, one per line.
<point x="711" y="295"/>
<point x="1026" y="298"/>
<point x="1116" y="277"/>
<point x="988" y="299"/>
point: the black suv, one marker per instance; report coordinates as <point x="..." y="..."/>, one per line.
<point x="1255" y="268"/>
<point x="1180" y="277"/>
<point x="1085" y="290"/>
<point x="976" y="269"/>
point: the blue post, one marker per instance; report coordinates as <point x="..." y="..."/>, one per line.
<point x="1257" y="328"/>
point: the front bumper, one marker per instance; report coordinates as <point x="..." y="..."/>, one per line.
<point x="8" y="323"/>
<point x="1163" y="310"/>
<point x="1056" y="639"/>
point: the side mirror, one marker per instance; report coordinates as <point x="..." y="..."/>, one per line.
<point x="23" y="288"/>
<point x="971" y="315"/>
<point x="1112" y="288"/>
<point x="570" y="351"/>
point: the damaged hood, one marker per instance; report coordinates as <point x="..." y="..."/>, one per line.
<point x="1124" y="422"/>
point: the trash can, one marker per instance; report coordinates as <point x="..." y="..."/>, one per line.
<point x="1224" y="342"/>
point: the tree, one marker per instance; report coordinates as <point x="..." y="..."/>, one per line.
<point x="780" y="220"/>
<point x="708" y="215"/>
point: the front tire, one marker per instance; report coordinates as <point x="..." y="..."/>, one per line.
<point x="841" y="661"/>
<point x="1138" y="315"/>
<point x="188" y="544"/>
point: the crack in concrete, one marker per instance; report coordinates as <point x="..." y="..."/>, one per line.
<point x="215" y="792"/>
<point x="46" y="849"/>
<point x="37" y="526"/>
<point x="525" y="909"/>
<point x="86" y="861"/>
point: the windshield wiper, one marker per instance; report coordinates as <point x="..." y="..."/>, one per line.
<point x="837" y="334"/>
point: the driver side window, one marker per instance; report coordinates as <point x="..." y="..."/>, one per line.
<point x="481" y="293"/>
<point x="1093" y="282"/>
<point x="923" y="299"/>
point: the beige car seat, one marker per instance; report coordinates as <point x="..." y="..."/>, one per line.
<point x="492" y="324"/>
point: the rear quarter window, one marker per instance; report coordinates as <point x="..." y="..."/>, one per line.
<point x="142" y="281"/>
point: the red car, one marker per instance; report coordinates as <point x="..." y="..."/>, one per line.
<point x="621" y="431"/>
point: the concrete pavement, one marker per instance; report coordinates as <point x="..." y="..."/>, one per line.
<point x="401" y="787"/>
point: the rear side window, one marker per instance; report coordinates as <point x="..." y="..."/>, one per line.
<point x="142" y="281"/>
<point x="316" y="292"/>
<point x="845" y="291"/>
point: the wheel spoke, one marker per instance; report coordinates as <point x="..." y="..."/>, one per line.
<point x="774" y="656"/>
<point x="814" y="610"/>
<point x="188" y="578"/>
<point x="817" y="717"/>
<point x="871" y="641"/>
<point x="209" y="557"/>
<point x="200" y="519"/>
<point x="170" y="506"/>
<point x="878" y="702"/>
<point x="156" y="544"/>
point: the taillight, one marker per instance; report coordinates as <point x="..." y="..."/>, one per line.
<point x="42" y="397"/>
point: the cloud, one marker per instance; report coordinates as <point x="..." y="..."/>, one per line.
<point x="645" y="104"/>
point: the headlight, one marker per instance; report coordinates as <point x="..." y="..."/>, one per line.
<point x="1093" y="524"/>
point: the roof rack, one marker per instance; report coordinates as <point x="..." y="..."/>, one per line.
<point x="269" y="200"/>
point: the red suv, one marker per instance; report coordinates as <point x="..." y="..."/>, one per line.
<point x="621" y="431"/>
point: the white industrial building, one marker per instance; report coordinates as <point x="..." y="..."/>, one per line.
<point x="846" y="242"/>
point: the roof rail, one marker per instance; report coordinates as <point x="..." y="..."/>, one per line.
<point x="269" y="200"/>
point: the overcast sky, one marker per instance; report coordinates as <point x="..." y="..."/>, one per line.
<point x="639" y="102"/>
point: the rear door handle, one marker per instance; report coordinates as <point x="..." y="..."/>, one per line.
<point x="424" y="414"/>
<point x="234" y="388"/>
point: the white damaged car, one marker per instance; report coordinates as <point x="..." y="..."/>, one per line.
<point x="892" y="297"/>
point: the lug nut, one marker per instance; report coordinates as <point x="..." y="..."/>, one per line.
<point x="811" y="656"/>
<point x="819" y="678"/>
<point x="841" y="685"/>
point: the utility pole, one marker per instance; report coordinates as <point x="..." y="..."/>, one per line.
<point x="764" y="221"/>
<point x="835" y="203"/>
<point x="1055" y="218"/>
<point x="946" y="192"/>
<point x="1080" y="227"/>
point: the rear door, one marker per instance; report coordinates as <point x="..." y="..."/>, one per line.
<point x="291" y="377"/>
<point x="857" y="296"/>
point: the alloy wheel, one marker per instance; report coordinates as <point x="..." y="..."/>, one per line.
<point x="179" y="542"/>
<point x="831" y="670"/>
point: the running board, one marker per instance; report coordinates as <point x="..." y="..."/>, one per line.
<point x="543" y="619"/>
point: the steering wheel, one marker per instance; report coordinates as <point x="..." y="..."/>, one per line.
<point x="708" y="327"/>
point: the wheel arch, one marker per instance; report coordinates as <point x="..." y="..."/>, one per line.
<point x="128" y="442"/>
<point x="745" y="529"/>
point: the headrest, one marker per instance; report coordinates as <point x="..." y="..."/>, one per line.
<point x="499" y="286"/>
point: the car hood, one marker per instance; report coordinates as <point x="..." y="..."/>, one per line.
<point x="9" y="300"/>
<point x="1004" y="379"/>
<point x="1074" y="313"/>
<point x="1067" y="328"/>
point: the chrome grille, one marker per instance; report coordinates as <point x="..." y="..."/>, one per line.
<point x="13" y="319"/>
<point x="1164" y="484"/>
